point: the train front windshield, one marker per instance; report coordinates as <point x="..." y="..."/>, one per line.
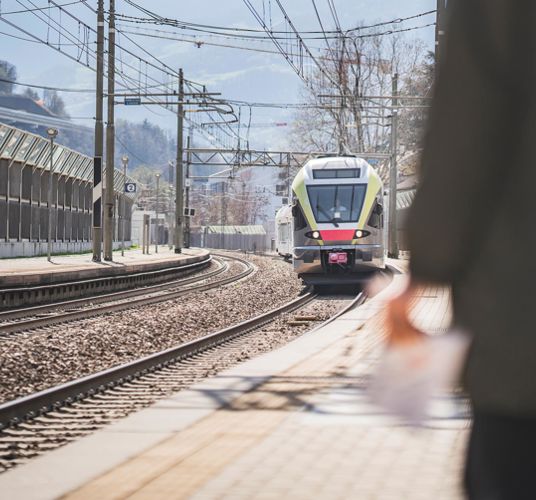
<point x="334" y="203"/>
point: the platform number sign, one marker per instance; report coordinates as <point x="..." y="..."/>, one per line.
<point x="130" y="187"/>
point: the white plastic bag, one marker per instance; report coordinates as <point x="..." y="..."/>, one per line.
<point x="409" y="375"/>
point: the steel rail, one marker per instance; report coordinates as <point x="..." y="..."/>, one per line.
<point x="88" y="312"/>
<point x="28" y="407"/>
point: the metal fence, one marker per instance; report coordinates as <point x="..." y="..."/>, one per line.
<point x="247" y="238"/>
<point x="24" y="181"/>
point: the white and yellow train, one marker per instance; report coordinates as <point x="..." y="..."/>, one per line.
<point x="336" y="221"/>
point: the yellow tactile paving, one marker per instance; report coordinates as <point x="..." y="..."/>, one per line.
<point x="227" y="454"/>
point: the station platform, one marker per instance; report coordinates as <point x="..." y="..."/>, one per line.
<point x="37" y="270"/>
<point x="294" y="424"/>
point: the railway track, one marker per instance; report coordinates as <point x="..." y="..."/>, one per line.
<point x="47" y="293"/>
<point x="48" y="419"/>
<point x="30" y="318"/>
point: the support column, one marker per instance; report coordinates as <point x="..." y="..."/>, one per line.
<point x="110" y="141"/>
<point x="440" y="31"/>
<point x="97" y="158"/>
<point x="187" y="187"/>
<point x="393" y="173"/>
<point x="179" y="171"/>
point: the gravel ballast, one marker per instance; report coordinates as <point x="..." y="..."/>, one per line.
<point x="41" y="359"/>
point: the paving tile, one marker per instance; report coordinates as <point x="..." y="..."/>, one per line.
<point x="307" y="432"/>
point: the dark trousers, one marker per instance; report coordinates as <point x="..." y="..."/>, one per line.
<point x="501" y="458"/>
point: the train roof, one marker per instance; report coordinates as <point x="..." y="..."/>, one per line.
<point x="284" y="212"/>
<point x="343" y="168"/>
<point x="332" y="162"/>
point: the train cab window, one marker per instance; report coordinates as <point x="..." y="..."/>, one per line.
<point x="299" y="218"/>
<point x="337" y="203"/>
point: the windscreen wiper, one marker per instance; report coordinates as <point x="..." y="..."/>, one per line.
<point x="332" y="220"/>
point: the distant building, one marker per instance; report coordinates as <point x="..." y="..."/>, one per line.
<point x="23" y="103"/>
<point x="16" y="102"/>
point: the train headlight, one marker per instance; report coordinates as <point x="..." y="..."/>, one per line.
<point x="361" y="233"/>
<point x="314" y="235"/>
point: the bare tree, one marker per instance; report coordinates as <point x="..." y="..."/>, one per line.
<point x="8" y="74"/>
<point x="235" y="201"/>
<point x="341" y="114"/>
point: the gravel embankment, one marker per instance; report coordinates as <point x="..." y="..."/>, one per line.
<point x="35" y="361"/>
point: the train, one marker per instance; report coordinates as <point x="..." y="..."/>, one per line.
<point x="333" y="231"/>
<point x="284" y="232"/>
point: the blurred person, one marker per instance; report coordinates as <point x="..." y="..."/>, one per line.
<point x="471" y="228"/>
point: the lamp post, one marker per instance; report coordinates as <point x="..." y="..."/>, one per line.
<point x="52" y="133"/>
<point x="124" y="159"/>
<point x="157" y="220"/>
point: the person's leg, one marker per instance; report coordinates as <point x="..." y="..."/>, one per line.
<point x="501" y="458"/>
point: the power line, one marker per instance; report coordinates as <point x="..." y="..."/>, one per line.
<point x="48" y="7"/>
<point x="43" y="87"/>
<point x="301" y="46"/>
<point x="333" y="10"/>
<point x="154" y="18"/>
<point x="63" y="32"/>
<point x="322" y="28"/>
<point x="11" y="35"/>
<point x="392" y="32"/>
<point x="58" y="28"/>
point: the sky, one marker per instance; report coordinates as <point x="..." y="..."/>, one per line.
<point x="237" y="74"/>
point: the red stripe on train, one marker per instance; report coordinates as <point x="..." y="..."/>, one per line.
<point x="337" y="234"/>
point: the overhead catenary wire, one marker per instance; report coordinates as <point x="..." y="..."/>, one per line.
<point x="53" y="46"/>
<point x="24" y="39"/>
<point x="45" y="87"/>
<point x="301" y="45"/>
<point x="24" y="11"/>
<point x="154" y="18"/>
<point x="61" y="30"/>
<point x="334" y="56"/>
<point x="139" y="85"/>
<point x="58" y="28"/>
<point x="334" y="14"/>
<point x="199" y="43"/>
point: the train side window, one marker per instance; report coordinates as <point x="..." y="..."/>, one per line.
<point x="283" y="233"/>
<point x="299" y="218"/>
<point x="376" y="216"/>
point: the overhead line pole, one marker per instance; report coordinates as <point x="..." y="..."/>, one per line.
<point x="98" y="151"/>
<point x="179" y="171"/>
<point x="393" y="235"/>
<point x="110" y="140"/>
<point x="187" y="190"/>
<point x="440" y="31"/>
<point x="342" y="115"/>
<point x="171" y="216"/>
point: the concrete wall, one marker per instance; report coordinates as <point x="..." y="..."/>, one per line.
<point x="137" y="227"/>
<point x="35" y="248"/>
